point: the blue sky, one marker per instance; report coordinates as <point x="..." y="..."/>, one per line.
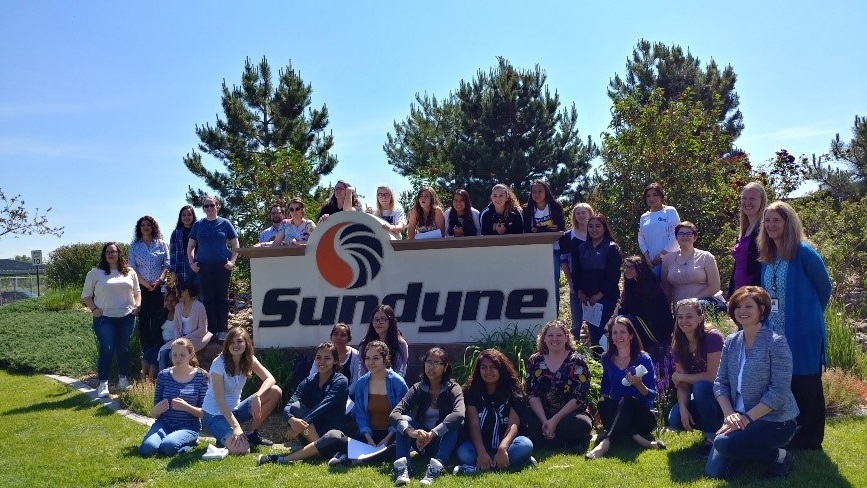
<point x="99" y="100"/>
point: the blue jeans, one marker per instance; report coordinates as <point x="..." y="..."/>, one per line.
<point x="164" y="359"/>
<point x="519" y="452"/>
<point x="703" y="407"/>
<point x="160" y="438"/>
<point x="440" y="448"/>
<point x="758" y="442"/>
<point x="219" y="427"/>
<point x="112" y="336"/>
<point x="577" y="315"/>
<point x="214" y="286"/>
<point x="557" y="279"/>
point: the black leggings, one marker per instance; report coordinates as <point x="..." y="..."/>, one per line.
<point x="807" y="389"/>
<point x="625" y="418"/>
<point x="572" y="430"/>
<point x="335" y="441"/>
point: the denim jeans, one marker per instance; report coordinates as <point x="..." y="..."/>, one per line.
<point x="519" y="452"/>
<point x="703" y="407"/>
<point x="758" y="442"/>
<point x="218" y="426"/>
<point x="440" y="448"/>
<point x="160" y="438"/>
<point x="577" y="315"/>
<point x="557" y="280"/>
<point x="214" y="286"/>
<point x="164" y="359"/>
<point x="112" y="336"/>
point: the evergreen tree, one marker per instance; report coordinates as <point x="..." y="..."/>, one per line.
<point x="847" y="180"/>
<point x="504" y="126"/>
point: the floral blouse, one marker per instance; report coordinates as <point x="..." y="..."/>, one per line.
<point x="556" y="388"/>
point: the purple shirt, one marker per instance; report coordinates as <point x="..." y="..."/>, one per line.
<point x="741" y="253"/>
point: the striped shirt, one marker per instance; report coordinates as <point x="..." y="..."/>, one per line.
<point x="192" y="392"/>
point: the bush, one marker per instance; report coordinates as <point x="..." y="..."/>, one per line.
<point x="67" y="298"/>
<point x="844" y="352"/>
<point x="282" y="365"/>
<point x="68" y="265"/>
<point x="139" y="398"/>
<point x="844" y="392"/>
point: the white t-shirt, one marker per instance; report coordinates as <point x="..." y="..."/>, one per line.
<point x="394" y="217"/>
<point x="656" y="231"/>
<point x="232" y="387"/>
<point x="542" y="218"/>
<point x="112" y="293"/>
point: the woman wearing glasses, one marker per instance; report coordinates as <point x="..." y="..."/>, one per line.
<point x="691" y="272"/>
<point x="342" y="198"/>
<point x="383" y="327"/>
<point x="297" y="229"/>
<point x="390" y="211"/>
<point x="213" y="261"/>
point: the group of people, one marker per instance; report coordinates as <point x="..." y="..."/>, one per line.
<point x="754" y="395"/>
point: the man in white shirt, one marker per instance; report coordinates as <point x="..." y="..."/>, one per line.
<point x="268" y="234"/>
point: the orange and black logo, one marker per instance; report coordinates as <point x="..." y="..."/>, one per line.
<point x="360" y="244"/>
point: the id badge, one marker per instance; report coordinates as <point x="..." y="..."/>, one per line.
<point x="775" y="305"/>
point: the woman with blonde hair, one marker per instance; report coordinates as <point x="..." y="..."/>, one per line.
<point x="390" y="211"/>
<point x="748" y="269"/>
<point x="571" y="239"/>
<point x="503" y="214"/>
<point x="800" y="289"/>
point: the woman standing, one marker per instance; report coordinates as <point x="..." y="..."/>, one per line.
<point x="596" y="269"/>
<point x="573" y="238"/>
<point x="383" y="327"/>
<point x="691" y="272"/>
<point x="462" y="219"/>
<point x="342" y="198"/>
<point x="628" y="391"/>
<point x="178" y="396"/>
<point x="390" y="211"/>
<point x="543" y="213"/>
<point x="190" y="322"/>
<point x="503" y="214"/>
<point x="431" y="413"/>
<point x="644" y="304"/>
<point x="557" y="383"/>
<point x="179" y="261"/>
<point x="800" y="289"/>
<point x="494" y="399"/>
<point x="656" y="228"/>
<point x="223" y="410"/>
<point x="149" y="257"/>
<point x="296" y="229"/>
<point x="426" y="215"/>
<point x="752" y="389"/>
<point x="748" y="269"/>
<point x="111" y="292"/>
<point x="696" y="349"/>
<point x="213" y="262"/>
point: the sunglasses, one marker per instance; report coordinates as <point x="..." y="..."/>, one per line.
<point x="295" y="209"/>
<point x="209" y="205"/>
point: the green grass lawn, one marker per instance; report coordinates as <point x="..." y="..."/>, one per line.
<point x="59" y="437"/>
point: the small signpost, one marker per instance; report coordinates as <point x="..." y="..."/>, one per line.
<point x="36" y="259"/>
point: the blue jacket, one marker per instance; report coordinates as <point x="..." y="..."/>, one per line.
<point x="395" y="387"/>
<point x="327" y="404"/>
<point x="767" y="377"/>
<point x="808" y="291"/>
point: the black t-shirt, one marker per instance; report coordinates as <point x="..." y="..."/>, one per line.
<point x="493" y="416"/>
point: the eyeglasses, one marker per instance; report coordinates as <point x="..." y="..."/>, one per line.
<point x="209" y="205"/>
<point x="339" y="187"/>
<point x="383" y="194"/>
<point x="295" y="209"/>
<point x="380" y="320"/>
<point x="434" y="363"/>
<point x="688" y="233"/>
<point x="112" y="252"/>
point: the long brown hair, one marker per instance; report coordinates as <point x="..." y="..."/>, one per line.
<point x="245" y="365"/>
<point x="426" y="219"/>
<point x="507" y="385"/>
<point x="679" y="340"/>
<point x="793" y="234"/>
<point x="635" y="346"/>
<point x="122" y="265"/>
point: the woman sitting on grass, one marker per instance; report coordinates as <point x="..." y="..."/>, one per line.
<point x="494" y="399"/>
<point x="696" y="349"/>
<point x="180" y="391"/>
<point x="628" y="390"/>
<point x="223" y="409"/>
<point x="348" y="358"/>
<point x="317" y="407"/>
<point x="431" y="413"/>
<point x="383" y="327"/>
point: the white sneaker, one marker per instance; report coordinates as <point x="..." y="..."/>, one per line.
<point x="434" y="470"/>
<point x="401" y="471"/>
<point x="102" y="389"/>
<point x="123" y="383"/>
<point x="465" y="469"/>
<point x="338" y="460"/>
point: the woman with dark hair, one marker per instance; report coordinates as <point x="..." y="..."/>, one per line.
<point x="213" y="262"/>
<point x="342" y="198"/>
<point x="223" y="410"/>
<point x="691" y="272"/>
<point x="383" y="327"/>
<point x="557" y="383"/>
<point x="800" y="288"/>
<point x="111" y="292"/>
<point x="747" y="269"/>
<point x="190" y="322"/>
<point x="426" y="215"/>
<point x="543" y="213"/>
<point x="461" y="218"/>
<point x="643" y="302"/>
<point x="179" y="263"/>
<point x="494" y="400"/>
<point x="752" y="388"/>
<point x="317" y="406"/>
<point x="503" y="214"/>
<point x="151" y="357"/>
<point x="296" y="229"/>
<point x="596" y="271"/>
<point x="348" y="358"/>
<point x="431" y="413"/>
<point x="573" y="238"/>
<point x="628" y="391"/>
<point x="149" y="257"/>
<point x="389" y="210"/>
<point x="656" y="228"/>
<point x="696" y="348"/>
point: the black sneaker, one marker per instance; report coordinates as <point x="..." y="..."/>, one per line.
<point x="267" y="459"/>
<point x="256" y="439"/>
<point x="782" y="469"/>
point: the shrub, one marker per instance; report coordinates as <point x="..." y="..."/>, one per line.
<point x="67" y="298"/>
<point x="68" y="265"/>
<point x="281" y="364"/>
<point x="844" y="352"/>
<point x="139" y="398"/>
<point x="844" y="392"/>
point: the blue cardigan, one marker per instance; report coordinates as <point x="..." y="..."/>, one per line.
<point x="395" y="387"/>
<point x="808" y="291"/>
<point x="612" y="378"/>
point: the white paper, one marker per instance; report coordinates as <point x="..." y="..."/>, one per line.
<point x="592" y="314"/>
<point x="349" y="406"/>
<point x="431" y="234"/>
<point x="361" y="450"/>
